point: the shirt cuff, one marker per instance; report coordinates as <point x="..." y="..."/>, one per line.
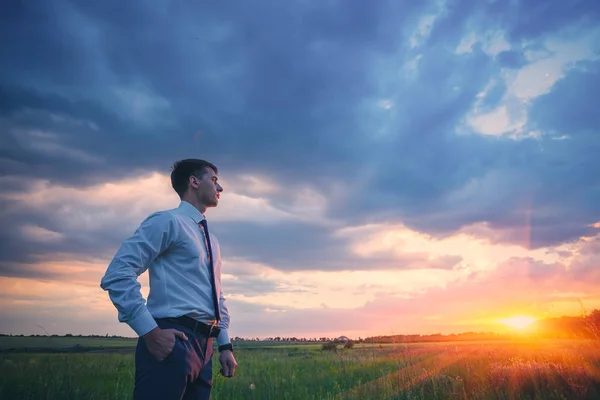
<point x="223" y="337"/>
<point x="143" y="323"/>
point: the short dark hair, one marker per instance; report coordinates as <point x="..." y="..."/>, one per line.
<point x="183" y="169"/>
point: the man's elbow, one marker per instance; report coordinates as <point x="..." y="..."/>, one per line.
<point x="105" y="283"/>
<point x="121" y="268"/>
<point x="112" y="276"/>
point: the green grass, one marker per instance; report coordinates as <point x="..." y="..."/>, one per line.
<point x="520" y="370"/>
<point x="60" y="342"/>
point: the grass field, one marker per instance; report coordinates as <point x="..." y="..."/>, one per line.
<point x="62" y="342"/>
<point x="566" y="370"/>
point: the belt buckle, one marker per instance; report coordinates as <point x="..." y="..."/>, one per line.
<point x="211" y="327"/>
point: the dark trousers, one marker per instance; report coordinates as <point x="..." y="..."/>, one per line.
<point x="186" y="373"/>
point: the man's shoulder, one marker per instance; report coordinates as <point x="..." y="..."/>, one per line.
<point x="171" y="212"/>
<point x="174" y="216"/>
<point x="161" y="217"/>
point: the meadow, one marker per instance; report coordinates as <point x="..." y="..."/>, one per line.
<point x="519" y="369"/>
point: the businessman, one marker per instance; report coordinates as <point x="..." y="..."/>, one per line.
<point x="185" y="310"/>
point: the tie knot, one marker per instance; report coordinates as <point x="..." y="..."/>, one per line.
<point x="203" y="223"/>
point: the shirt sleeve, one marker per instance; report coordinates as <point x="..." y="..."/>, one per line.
<point x="223" y="337"/>
<point x="154" y="235"/>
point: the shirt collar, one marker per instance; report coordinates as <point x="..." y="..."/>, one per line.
<point x="191" y="211"/>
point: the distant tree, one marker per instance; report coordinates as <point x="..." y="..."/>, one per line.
<point x="593" y="323"/>
<point x="329" y="346"/>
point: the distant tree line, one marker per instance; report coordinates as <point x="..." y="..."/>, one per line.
<point x="582" y="327"/>
<point x="71" y="335"/>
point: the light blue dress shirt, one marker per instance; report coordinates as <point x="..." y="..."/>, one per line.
<point x="169" y="244"/>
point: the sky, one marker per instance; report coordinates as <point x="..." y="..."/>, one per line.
<point x="390" y="167"/>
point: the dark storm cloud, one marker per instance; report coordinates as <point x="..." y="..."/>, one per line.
<point x="296" y="246"/>
<point x="31" y="239"/>
<point x="569" y="167"/>
<point x="251" y="286"/>
<point x="571" y="108"/>
<point x="522" y="20"/>
<point x="533" y="18"/>
<point x="277" y="89"/>
<point x="48" y="147"/>
<point x="80" y="232"/>
<point x="290" y="90"/>
<point x="511" y="59"/>
<point x="12" y="270"/>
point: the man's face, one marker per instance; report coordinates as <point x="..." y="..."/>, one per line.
<point x="207" y="187"/>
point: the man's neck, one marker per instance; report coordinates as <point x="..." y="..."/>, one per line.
<point x="198" y="205"/>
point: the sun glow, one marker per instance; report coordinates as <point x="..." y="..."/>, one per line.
<point x="518" y="321"/>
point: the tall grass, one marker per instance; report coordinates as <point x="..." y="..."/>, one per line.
<point x="519" y="370"/>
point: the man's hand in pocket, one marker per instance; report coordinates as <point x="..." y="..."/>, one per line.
<point x="160" y="342"/>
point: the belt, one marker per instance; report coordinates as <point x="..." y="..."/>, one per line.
<point x="195" y="326"/>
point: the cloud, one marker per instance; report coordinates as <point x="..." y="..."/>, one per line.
<point x="529" y="71"/>
<point x="404" y="154"/>
<point x="34" y="306"/>
<point x="518" y="285"/>
<point x="247" y="285"/>
<point x="554" y="111"/>
<point x="511" y="59"/>
<point x="329" y="304"/>
<point x="388" y="140"/>
<point x="474" y="248"/>
<point x="492" y="42"/>
<point x="92" y="221"/>
<point x="532" y="19"/>
<point x="306" y="247"/>
<point x="89" y="223"/>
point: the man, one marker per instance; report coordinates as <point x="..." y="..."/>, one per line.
<point x="183" y="315"/>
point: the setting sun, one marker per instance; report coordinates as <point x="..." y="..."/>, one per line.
<point x="518" y="321"/>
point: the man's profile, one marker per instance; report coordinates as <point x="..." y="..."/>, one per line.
<point x="185" y="310"/>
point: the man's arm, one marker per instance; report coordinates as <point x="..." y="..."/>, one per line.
<point x="226" y="358"/>
<point x="154" y="235"/>
<point x="223" y="337"/>
<point x="223" y="324"/>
